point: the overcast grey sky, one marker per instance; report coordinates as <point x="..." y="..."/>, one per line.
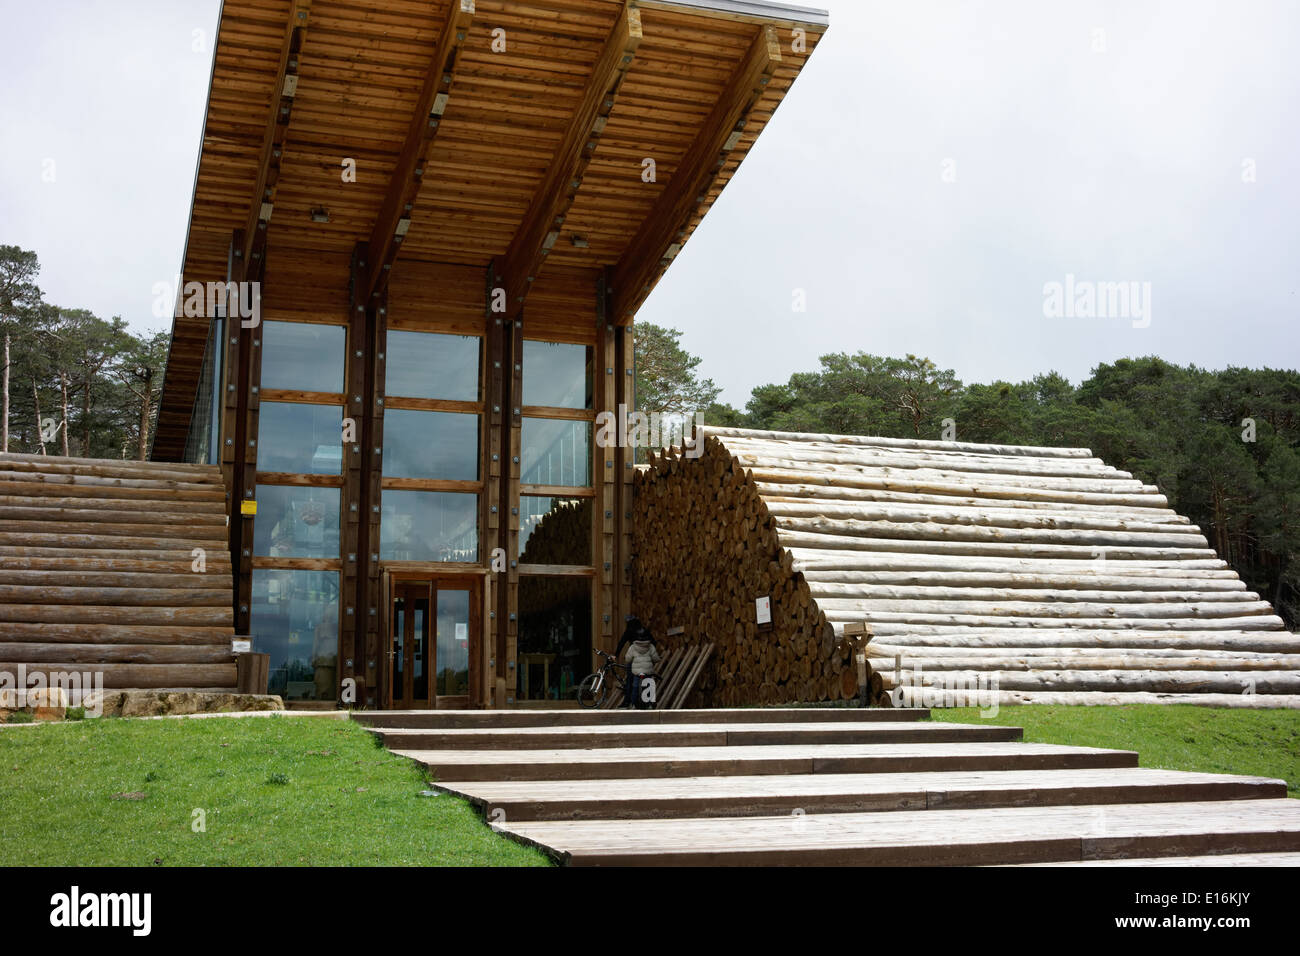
<point x="934" y="167"/>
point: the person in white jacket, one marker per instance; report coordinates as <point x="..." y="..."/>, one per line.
<point x="641" y="658"/>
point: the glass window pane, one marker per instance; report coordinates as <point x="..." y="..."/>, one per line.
<point x="295" y="619"/>
<point x="554" y="530"/>
<point x="432" y="365"/>
<point x="301" y="439"/>
<point x="554" y="636"/>
<point x="428" y="526"/>
<point x="420" y="650"/>
<point x="296" y="522"/>
<point x="297" y="355"/>
<point x="557" y="375"/>
<point x="441" y="445"/>
<point x="556" y="452"/>
<point x="452" y="679"/>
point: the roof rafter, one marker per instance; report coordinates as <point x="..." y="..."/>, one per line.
<point x="551" y="203"/>
<point x="277" y="129"/>
<point x="664" y="231"/>
<point x="395" y="214"/>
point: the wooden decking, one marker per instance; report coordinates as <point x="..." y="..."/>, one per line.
<point x="831" y="787"/>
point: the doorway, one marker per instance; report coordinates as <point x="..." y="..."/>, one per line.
<point x="433" y="642"/>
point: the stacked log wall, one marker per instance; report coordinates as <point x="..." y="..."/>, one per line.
<point x="705" y="548"/>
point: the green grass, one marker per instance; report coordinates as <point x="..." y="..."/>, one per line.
<point x="276" y="791"/>
<point x="1262" y="743"/>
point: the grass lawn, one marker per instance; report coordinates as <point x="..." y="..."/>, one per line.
<point x="1261" y="743"/>
<point x="276" y="791"/>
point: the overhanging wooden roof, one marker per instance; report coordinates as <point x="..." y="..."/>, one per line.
<point x="531" y="156"/>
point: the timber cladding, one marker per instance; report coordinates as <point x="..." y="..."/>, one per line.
<point x="1033" y="574"/>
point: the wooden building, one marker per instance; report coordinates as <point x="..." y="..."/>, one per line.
<point x="443" y="216"/>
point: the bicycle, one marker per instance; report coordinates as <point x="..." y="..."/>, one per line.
<point x="596" y="687"/>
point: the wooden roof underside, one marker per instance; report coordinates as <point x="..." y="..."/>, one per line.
<point x="500" y="156"/>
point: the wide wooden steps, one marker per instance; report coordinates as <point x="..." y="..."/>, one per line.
<point x="115" y="568"/>
<point x="450" y="719"/>
<point x="652" y="762"/>
<point x="691" y="735"/>
<point x="679" y="798"/>
<point x="830" y="787"/>
<point x="928" y="838"/>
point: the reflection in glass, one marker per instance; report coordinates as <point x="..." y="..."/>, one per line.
<point x="398" y="653"/>
<point x="428" y="526"/>
<point x="554" y="530"/>
<point x="432" y="365"/>
<point x="300" y="439"/>
<point x="453" y="644"/>
<point x="554" y="636"/>
<point x="303" y="357"/>
<point x="296" y="522"/>
<point x="556" y="452"/>
<point x="295" y="619"/>
<point x="441" y="445"/>
<point x="203" y="443"/>
<point x="557" y="375"/>
<point x="420" y="648"/>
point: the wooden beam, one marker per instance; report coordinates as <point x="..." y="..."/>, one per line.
<point x="541" y="226"/>
<point x="664" y="231"/>
<point x="277" y="129"/>
<point x="395" y="214"/>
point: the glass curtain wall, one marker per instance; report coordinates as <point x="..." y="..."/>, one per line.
<point x="296" y="533"/>
<point x="555" y="520"/>
<point x="432" y="430"/>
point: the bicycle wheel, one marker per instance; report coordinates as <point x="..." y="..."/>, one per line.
<point x="591" y="692"/>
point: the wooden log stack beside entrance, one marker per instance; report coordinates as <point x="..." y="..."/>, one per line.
<point x="1037" y="575"/>
<point x="706" y="549"/>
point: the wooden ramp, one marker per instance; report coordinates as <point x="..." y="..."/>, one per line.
<point x="830" y="787"/>
<point x="99" y="572"/>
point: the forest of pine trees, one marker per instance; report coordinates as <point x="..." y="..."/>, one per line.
<point x="72" y="383"/>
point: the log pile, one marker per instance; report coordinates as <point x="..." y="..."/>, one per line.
<point x="561" y="536"/>
<point x="97" y="572"/>
<point x="1040" y="573"/>
<point x="706" y="548"/>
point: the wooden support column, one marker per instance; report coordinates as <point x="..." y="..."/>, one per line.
<point x="352" y="658"/>
<point x="625" y="469"/>
<point x="664" y="231"/>
<point x="367" y="348"/>
<point x="606" y="621"/>
<point x="494" y="504"/>
<point x="512" y="426"/>
<point x="233" y="407"/>
<point x="501" y="486"/>
<point x="245" y="449"/>
<point x="375" y="643"/>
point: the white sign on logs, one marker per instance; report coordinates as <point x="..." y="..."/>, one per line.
<point x="763" y="610"/>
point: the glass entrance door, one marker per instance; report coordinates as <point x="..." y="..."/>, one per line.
<point x="434" y="637"/>
<point x="409" y="652"/>
<point x="454" y="623"/>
